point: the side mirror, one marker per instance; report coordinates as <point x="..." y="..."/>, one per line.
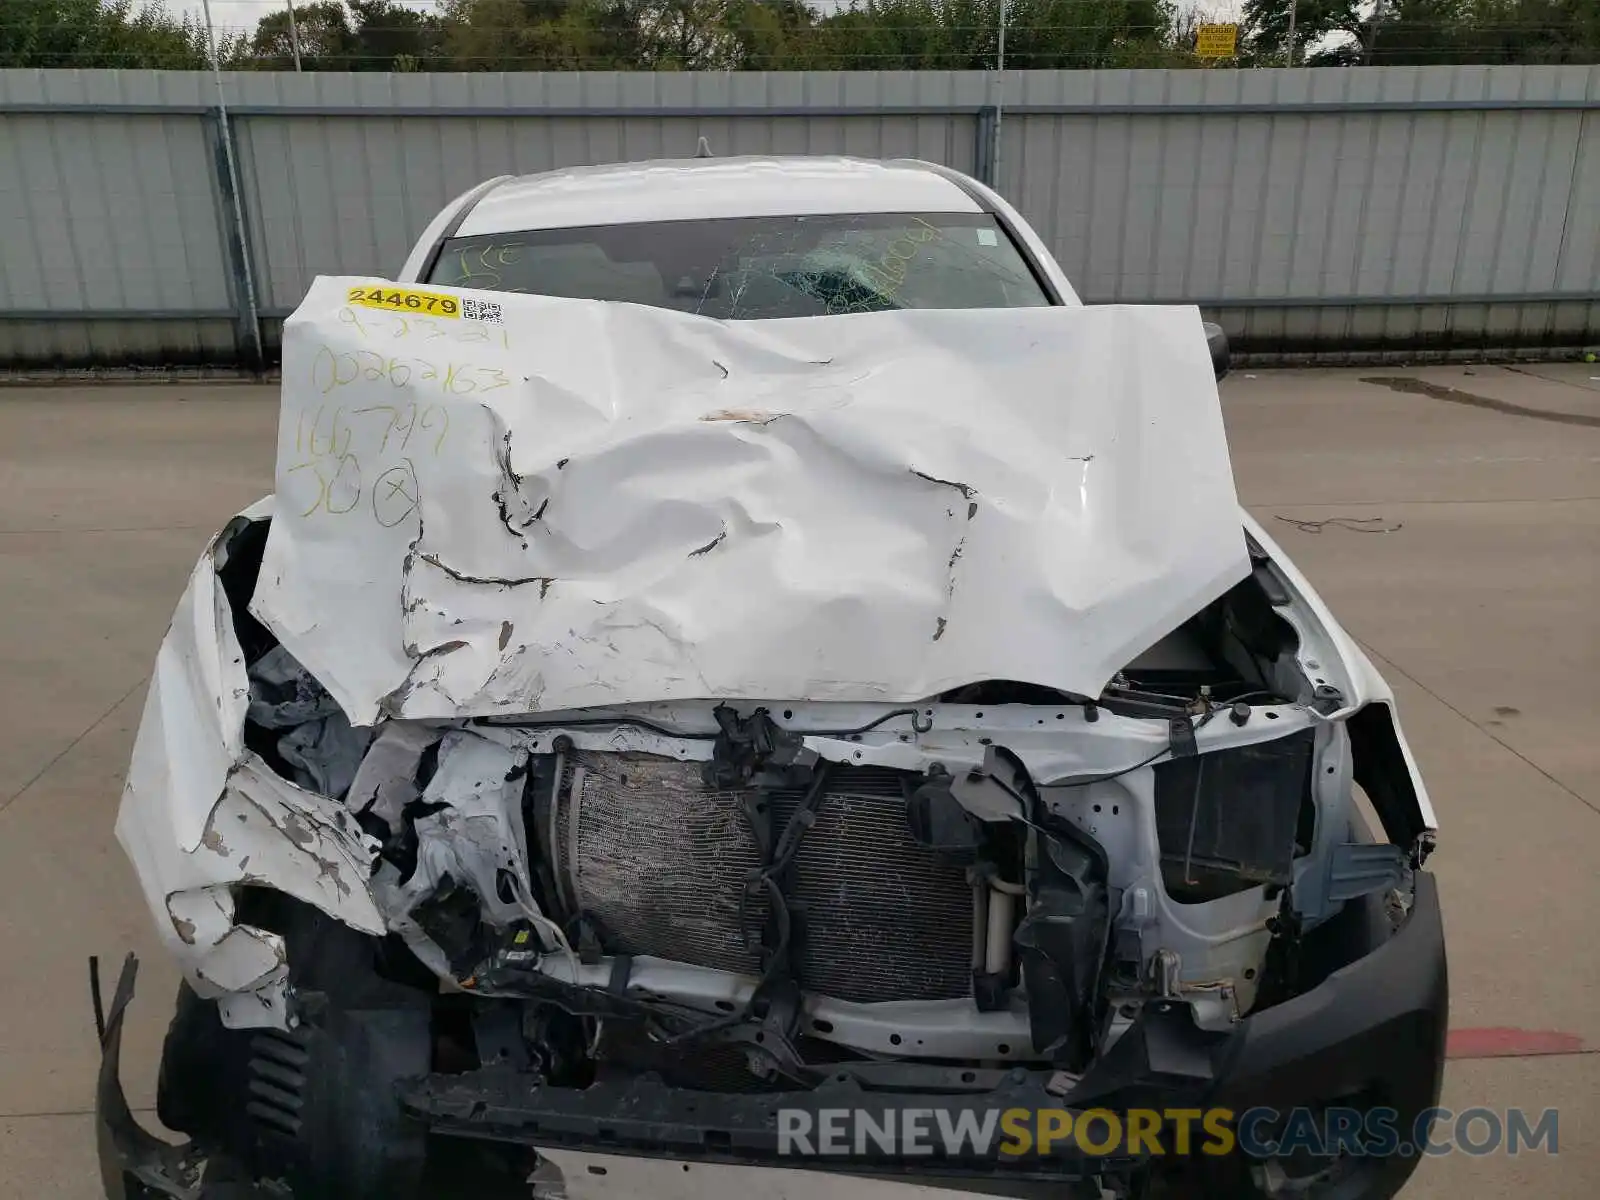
<point x="1218" y="342"/>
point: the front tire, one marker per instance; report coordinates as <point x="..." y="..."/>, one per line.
<point x="315" y="1106"/>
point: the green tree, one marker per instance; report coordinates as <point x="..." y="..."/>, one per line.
<point x="346" y="35"/>
<point x="658" y="35"/>
<point x="791" y="35"/>
<point x="1404" y="32"/>
<point x="685" y="35"/>
<point x="963" y="34"/>
<point x="322" y="28"/>
<point x="1489" y="31"/>
<point x="386" y="32"/>
<point x="1326" y="32"/>
<point x="774" y="35"/>
<point x="540" y="35"/>
<point x="667" y="35"/>
<point x="98" y="33"/>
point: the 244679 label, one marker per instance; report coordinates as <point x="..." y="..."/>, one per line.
<point x="432" y="304"/>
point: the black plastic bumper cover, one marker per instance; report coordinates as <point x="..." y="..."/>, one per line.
<point x="134" y="1164"/>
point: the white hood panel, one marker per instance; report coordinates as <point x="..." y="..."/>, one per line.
<point x="599" y="504"/>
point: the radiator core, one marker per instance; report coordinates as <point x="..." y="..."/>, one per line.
<point x="659" y="860"/>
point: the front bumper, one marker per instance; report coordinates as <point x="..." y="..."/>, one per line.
<point x="134" y="1164"/>
<point x="1374" y="1030"/>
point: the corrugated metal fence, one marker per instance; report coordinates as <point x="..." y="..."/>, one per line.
<point x="1433" y="210"/>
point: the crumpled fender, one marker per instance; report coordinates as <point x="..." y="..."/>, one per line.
<point x="201" y="814"/>
<point x="1328" y="652"/>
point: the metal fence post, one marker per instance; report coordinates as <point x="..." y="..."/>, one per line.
<point x="236" y="243"/>
<point x="986" y="152"/>
<point x="232" y="187"/>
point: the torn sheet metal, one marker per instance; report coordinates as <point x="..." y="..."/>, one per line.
<point x="468" y="842"/>
<point x="1325" y="646"/>
<point x="522" y="504"/>
<point x="201" y="814"/>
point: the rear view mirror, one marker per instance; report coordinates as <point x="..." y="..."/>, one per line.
<point x="1218" y="342"/>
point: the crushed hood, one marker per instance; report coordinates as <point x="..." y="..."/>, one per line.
<point x="529" y="504"/>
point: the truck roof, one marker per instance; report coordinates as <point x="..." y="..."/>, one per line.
<point x="706" y="188"/>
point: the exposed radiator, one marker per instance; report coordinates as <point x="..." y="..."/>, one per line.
<point x="659" y="861"/>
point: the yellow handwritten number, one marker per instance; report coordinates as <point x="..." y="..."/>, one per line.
<point x="442" y="423"/>
<point x="349" y="473"/>
<point x="322" y="485"/>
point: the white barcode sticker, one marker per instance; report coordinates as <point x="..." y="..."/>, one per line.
<point x="480" y="310"/>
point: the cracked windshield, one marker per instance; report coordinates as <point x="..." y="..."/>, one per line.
<point x="753" y="268"/>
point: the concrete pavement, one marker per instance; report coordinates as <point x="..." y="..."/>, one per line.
<point x="1479" y="603"/>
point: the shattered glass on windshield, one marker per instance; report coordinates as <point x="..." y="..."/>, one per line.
<point x="753" y="268"/>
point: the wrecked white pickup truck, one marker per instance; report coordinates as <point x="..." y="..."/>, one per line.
<point x="624" y="729"/>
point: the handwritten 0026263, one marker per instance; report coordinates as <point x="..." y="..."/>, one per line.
<point x="341" y="447"/>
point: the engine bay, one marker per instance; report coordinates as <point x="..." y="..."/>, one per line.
<point x="767" y="895"/>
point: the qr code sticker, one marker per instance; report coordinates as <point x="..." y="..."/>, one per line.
<point x="480" y="310"/>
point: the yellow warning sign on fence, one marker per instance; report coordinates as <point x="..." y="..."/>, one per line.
<point x="1217" y="41"/>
